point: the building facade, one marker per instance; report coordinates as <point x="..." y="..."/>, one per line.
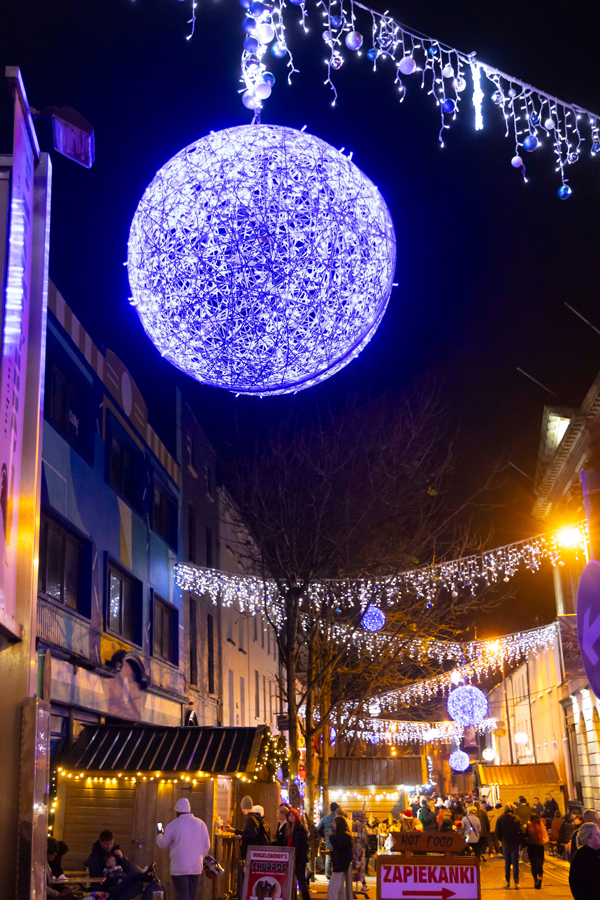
<point x="109" y="610"/>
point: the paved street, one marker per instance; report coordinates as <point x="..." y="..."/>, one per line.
<point x="555" y="884"/>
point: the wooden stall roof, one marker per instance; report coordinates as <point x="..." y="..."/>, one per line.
<point x="514" y="776"/>
<point x="376" y="770"/>
<point x="149" y="748"/>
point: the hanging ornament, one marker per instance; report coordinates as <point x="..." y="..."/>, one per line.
<point x="497" y="97"/>
<point x="433" y="50"/>
<point x="572" y="158"/>
<point x="250" y="100"/>
<point x="449" y="106"/>
<point x="249" y="25"/>
<point x="459" y="761"/>
<point x="278" y="49"/>
<point x="448" y="71"/>
<point x="489" y="754"/>
<point x="263" y="90"/>
<point x="269" y="78"/>
<point x="297" y="2"/>
<point x="530" y="143"/>
<point x="595" y="147"/>
<point x="512" y="93"/>
<point x="327" y="37"/>
<point x="257" y="8"/>
<point x="374" y="708"/>
<point x="459" y="84"/>
<point x="407" y="65"/>
<point x="455" y="677"/>
<point x="251" y="45"/>
<point x="373" y="618"/>
<point x="336" y="61"/>
<point x="516" y="162"/>
<point x="372" y="53"/>
<point x="336" y="21"/>
<point x="227" y="309"/>
<point x="521" y="738"/>
<point x="564" y="192"/>
<point x="534" y="118"/>
<point x="549" y="124"/>
<point x="265" y="33"/>
<point x="467" y="705"/>
<point x="354" y="40"/>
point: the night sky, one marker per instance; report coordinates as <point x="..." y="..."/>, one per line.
<point x="485" y="262"/>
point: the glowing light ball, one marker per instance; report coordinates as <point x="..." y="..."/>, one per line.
<point x="459" y="761"/>
<point x="489" y="754"/>
<point x="261" y="260"/>
<point x="521" y="738"/>
<point x="467" y="705"/>
<point x="373" y="618"/>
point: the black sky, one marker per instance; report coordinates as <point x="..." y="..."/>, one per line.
<point x="485" y="262"/>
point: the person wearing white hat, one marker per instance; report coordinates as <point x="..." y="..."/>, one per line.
<point x="188" y="842"/>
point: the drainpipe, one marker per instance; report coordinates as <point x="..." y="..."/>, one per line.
<point x="590" y="483"/>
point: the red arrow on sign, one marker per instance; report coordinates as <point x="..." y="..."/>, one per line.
<point x="444" y="893"/>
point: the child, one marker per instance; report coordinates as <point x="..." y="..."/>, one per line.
<point x="113" y="874"/>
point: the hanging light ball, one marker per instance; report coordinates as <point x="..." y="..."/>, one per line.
<point x="297" y="2"/>
<point x="374" y="708"/>
<point x="250" y="100"/>
<point x="433" y="50"/>
<point x="257" y="8"/>
<point x="449" y="106"/>
<point x="278" y="49"/>
<point x="354" y="40"/>
<point x="373" y="618"/>
<point x="534" y="118"/>
<point x="448" y="71"/>
<point x="262" y="90"/>
<point x="516" y="162"/>
<point x="337" y="61"/>
<point x="456" y="677"/>
<point x="564" y="192"/>
<point x="407" y="65"/>
<point x="467" y="705"/>
<point x="512" y="92"/>
<point x="521" y="738"/>
<point x="596" y="147"/>
<point x="269" y="78"/>
<point x="459" y="84"/>
<point x="327" y="37"/>
<point x="245" y="4"/>
<point x="530" y="143"/>
<point x="265" y="33"/>
<point x="489" y="754"/>
<point x="550" y="124"/>
<point x="251" y="45"/>
<point x="572" y="158"/>
<point x="249" y="25"/>
<point x="497" y="97"/>
<point x="372" y="53"/>
<point x="336" y="21"/>
<point x="261" y="259"/>
<point x="459" y="761"/>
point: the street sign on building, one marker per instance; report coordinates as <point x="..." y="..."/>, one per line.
<point x="432" y="877"/>
<point x="588" y="623"/>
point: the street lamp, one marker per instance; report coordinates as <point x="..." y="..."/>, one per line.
<point x="569" y="536"/>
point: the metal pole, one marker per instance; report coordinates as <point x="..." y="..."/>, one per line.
<point x="530" y="713"/>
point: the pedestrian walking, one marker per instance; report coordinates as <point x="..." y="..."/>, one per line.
<point x="294" y="835"/>
<point x="584" y="877"/>
<point x="324" y="830"/>
<point x="590" y="815"/>
<point x="342" y="852"/>
<point x="524" y="811"/>
<point x="427" y="817"/>
<point x="536" y="835"/>
<point x="484" y="821"/>
<point x="187" y="839"/>
<point x="493" y="813"/>
<point x="550" y="808"/>
<point x="471" y="829"/>
<point x="510" y="832"/>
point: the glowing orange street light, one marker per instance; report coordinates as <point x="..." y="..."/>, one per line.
<point x="569" y="536"/>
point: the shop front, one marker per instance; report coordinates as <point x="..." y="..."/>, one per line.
<point x="377" y="786"/>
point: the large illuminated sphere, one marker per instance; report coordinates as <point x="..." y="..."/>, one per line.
<point x="467" y="705"/>
<point x="373" y="618"/>
<point x="459" y="761"/>
<point x="261" y="260"/>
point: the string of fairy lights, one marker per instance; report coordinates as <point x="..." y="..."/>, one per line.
<point x="252" y="594"/>
<point x="398" y="732"/>
<point x="532" y="118"/>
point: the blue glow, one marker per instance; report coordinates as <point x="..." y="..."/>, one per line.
<point x="373" y="619"/>
<point x="459" y="761"/>
<point x="467" y="705"/>
<point x="261" y="260"/>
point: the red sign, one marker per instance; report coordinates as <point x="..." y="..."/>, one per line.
<point x="269" y="873"/>
<point x="436" y="878"/>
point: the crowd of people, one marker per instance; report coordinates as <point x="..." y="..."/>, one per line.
<point x="519" y="832"/>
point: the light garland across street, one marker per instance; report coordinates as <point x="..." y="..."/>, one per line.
<point x="396" y="732"/>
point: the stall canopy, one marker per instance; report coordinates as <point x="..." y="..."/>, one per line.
<point x="364" y="771"/>
<point x="143" y="748"/>
<point x="507" y="783"/>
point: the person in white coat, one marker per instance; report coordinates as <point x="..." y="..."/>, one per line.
<point x="188" y="842"/>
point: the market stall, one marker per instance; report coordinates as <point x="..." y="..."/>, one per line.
<point x="379" y="786"/>
<point x="506" y="784"/>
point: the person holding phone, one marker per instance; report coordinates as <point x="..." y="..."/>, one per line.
<point x="187" y="839"/>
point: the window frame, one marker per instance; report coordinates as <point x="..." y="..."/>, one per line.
<point x="210" y="653"/>
<point x="137" y="602"/>
<point x="159" y="600"/>
<point x="83" y="607"/>
<point x="57" y="357"/>
<point x="172" y="539"/>
<point x="115" y="431"/>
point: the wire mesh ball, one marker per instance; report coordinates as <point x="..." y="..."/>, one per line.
<point x="459" y="761"/>
<point x="467" y="705"/>
<point x="373" y="618"/>
<point x="261" y="260"/>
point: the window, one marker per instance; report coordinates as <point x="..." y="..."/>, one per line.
<point x="164" y="515"/>
<point x="191" y="534"/>
<point x="256" y="627"/>
<point x="124" y="600"/>
<point x="231" y="699"/>
<point x="210" y="641"/>
<point x="256" y="694"/>
<point x="189" y="451"/>
<point x="265" y="697"/>
<point x="165" y="630"/>
<point x="193" y="643"/>
<point x="209" y="548"/>
<point x="124" y="466"/>
<point x="65" y="404"/>
<point x="268" y="641"/>
<point x="210" y="482"/>
<point x="59" y="573"/>
<point x="270" y="704"/>
<point x="241" y="624"/>
<point x="262" y="633"/>
<point x="242" y="701"/>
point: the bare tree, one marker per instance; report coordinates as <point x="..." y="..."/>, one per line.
<point x="359" y="492"/>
